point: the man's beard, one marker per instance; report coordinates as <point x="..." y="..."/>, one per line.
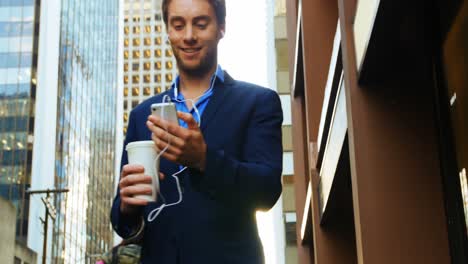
<point x="206" y="64"/>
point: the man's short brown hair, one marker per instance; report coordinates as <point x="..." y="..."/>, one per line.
<point x="219" y="7"/>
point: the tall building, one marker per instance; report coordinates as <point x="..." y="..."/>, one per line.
<point x="379" y="96"/>
<point x="58" y="97"/>
<point x="86" y="129"/>
<point x="18" y="66"/>
<point x="149" y="65"/>
<point x="283" y="89"/>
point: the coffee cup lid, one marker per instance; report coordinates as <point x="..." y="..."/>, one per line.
<point x="139" y="144"/>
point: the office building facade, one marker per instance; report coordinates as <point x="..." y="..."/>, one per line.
<point x="58" y="89"/>
<point x="18" y="66"/>
<point x="149" y="64"/>
<point x="85" y="130"/>
<point x="379" y="98"/>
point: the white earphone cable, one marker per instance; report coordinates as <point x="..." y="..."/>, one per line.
<point x="155" y="212"/>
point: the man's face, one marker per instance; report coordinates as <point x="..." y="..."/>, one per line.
<point x="194" y="34"/>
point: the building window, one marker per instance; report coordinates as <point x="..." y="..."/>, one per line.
<point x="147" y="41"/>
<point x="148" y="29"/>
<point x="168" y="77"/>
<point x="169" y="65"/>
<point x="168" y="53"/>
<point x="146" y="91"/>
<point x="158" y="41"/>
<point x="125" y="79"/>
<point x="125" y="129"/>
<point x="126" y="42"/>
<point x="290" y="227"/>
<point x="126" y="30"/>
<point x="136" y="54"/>
<point x="126" y="54"/>
<point x="148" y="18"/>
<point x="147" y="53"/>
<point x="136" y="30"/>
<point x="158" y="28"/>
<point x="125" y="104"/>
<point x="157" y="78"/>
<point x="157" y="90"/>
<point x="135" y="66"/>
<point x="157" y="53"/>
<point x="136" y="79"/>
<point x="125" y="91"/>
<point x="126" y="67"/>
<point x="147" y="78"/>
<point x="125" y="117"/>
<point x="135" y="91"/>
<point x="147" y="66"/>
<point x="157" y="17"/>
<point x="136" y="19"/>
<point x="136" y="42"/>
<point x="134" y="103"/>
<point x="157" y="65"/>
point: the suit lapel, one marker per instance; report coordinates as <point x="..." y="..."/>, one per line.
<point x="219" y="93"/>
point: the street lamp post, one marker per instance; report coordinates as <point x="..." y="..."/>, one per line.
<point x="49" y="210"/>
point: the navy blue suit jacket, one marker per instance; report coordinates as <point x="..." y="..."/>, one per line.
<point x="216" y="222"/>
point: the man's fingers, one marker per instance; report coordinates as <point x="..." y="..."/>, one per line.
<point x="132" y="169"/>
<point x="134" y="201"/>
<point x="131" y="191"/>
<point x="161" y="123"/>
<point x="134" y="179"/>
<point x="188" y="118"/>
<point x="170" y="157"/>
<point x="166" y="137"/>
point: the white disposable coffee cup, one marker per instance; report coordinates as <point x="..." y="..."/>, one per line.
<point x="144" y="153"/>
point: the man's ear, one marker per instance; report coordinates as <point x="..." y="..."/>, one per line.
<point x="222" y="31"/>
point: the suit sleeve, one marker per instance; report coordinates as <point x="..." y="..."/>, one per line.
<point x="254" y="181"/>
<point x="123" y="225"/>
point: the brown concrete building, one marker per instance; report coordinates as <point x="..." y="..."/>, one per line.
<point x="379" y="96"/>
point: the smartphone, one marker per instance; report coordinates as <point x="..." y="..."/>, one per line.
<point x="166" y="111"/>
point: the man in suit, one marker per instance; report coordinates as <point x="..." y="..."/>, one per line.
<point x="233" y="159"/>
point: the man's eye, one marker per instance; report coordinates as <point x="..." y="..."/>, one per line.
<point x="178" y="27"/>
<point x="201" y="26"/>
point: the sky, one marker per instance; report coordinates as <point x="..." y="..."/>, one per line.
<point x="243" y="53"/>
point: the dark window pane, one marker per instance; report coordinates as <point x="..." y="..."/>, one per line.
<point x="14" y="123"/>
<point x="8" y="91"/>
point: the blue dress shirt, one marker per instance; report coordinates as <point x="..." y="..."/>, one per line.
<point x="201" y="103"/>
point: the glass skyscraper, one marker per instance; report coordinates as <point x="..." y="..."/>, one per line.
<point x="18" y="63"/>
<point x="86" y="129"/>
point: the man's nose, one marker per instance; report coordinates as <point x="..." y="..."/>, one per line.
<point x="190" y="34"/>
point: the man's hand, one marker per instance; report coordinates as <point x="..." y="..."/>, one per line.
<point x="131" y="184"/>
<point x="184" y="146"/>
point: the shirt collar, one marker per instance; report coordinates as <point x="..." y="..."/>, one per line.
<point x="219" y="74"/>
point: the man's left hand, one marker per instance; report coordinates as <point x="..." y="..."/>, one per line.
<point x="185" y="146"/>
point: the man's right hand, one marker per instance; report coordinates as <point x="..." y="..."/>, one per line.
<point x="130" y="185"/>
